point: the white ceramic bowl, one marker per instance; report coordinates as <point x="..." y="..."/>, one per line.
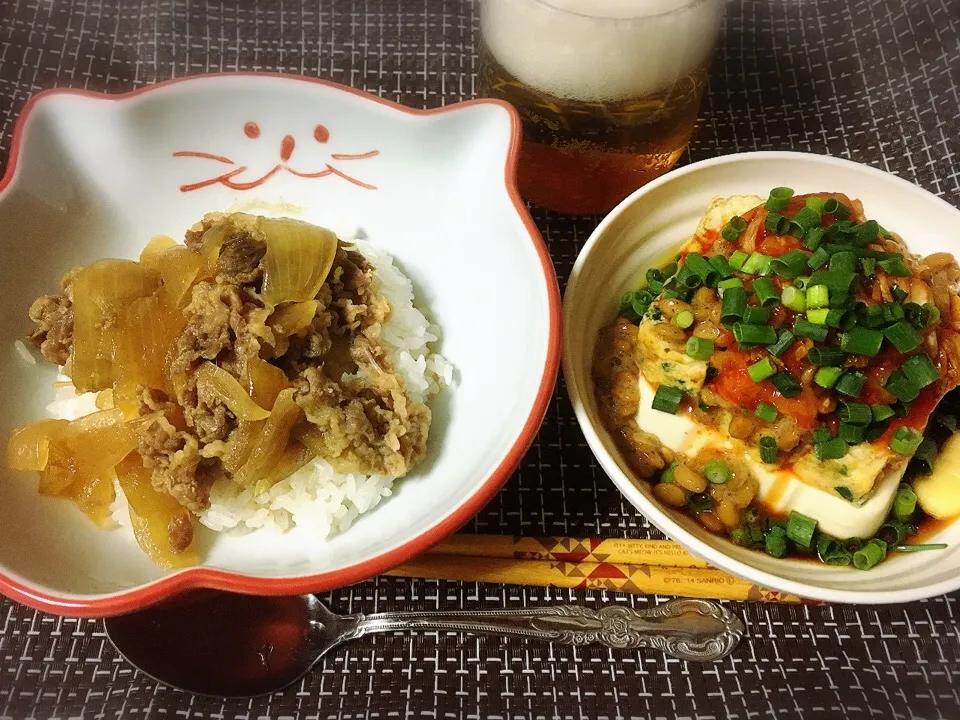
<point x="94" y="176"/>
<point x="654" y="221"/>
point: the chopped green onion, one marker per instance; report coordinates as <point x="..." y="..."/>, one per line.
<point x="733" y="305"/>
<point x="902" y="387"/>
<point x="851" y="383"/>
<point x="717" y="472"/>
<point x="807" y="218"/>
<point x="832" y="449"/>
<point x="825" y="356"/>
<point x="804" y="328"/>
<point x="821" y="435"/>
<point x="739" y="536"/>
<point x="754" y="334"/>
<point x="899" y="294"/>
<point x="838" y="281"/>
<point x="756" y="315"/>
<point x="867" y="232"/>
<point x="870" y="554"/>
<point x="926" y="452"/>
<point x="794" y="299"/>
<point x="701" y="268"/>
<point x="783" y="342"/>
<point x="733" y="229"/>
<point x="818" y="317"/>
<point x="699" y="348"/>
<point x="725" y="285"/>
<point x="815" y="202"/>
<point x="818" y="259"/>
<point x="667" y="399"/>
<point x="768" y="449"/>
<point x="892" y="312"/>
<point x="861" y="341"/>
<point x="790" y="264"/>
<point x="701" y="502"/>
<point x="832" y="552"/>
<point x="905" y="502"/>
<point x="761" y="370"/>
<point x="779" y="199"/>
<point x="737" y="259"/>
<point x="948" y="421"/>
<point x="932" y="314"/>
<point x="766" y="292"/>
<point x="920" y="547"/>
<point x="800" y="528"/>
<point x="832" y="206"/>
<point x="851" y="434"/>
<point x="784" y="382"/>
<point x="767" y="413"/>
<point x="818" y="296"/>
<point x="869" y="266"/>
<point x="906" y="440"/>
<point x="666" y="476"/>
<point x="813" y="238"/>
<point x="895" y="267"/>
<point x="654" y="275"/>
<point x="720" y="264"/>
<point x="915" y="314"/>
<point x="655" y="287"/>
<point x="757" y="264"/>
<point x="855" y="413"/>
<point x="776" y="224"/>
<point x="683" y="319"/>
<point x="687" y="278"/>
<point x="802" y="282"/>
<point x="669" y="271"/>
<point x="881" y="413"/>
<point x="827" y="377"/>
<point x="844" y="261"/>
<point x="892" y="532"/>
<point x="920" y="370"/>
<point x="775" y="542"/>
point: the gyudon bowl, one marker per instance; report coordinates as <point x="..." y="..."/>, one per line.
<point x="326" y="284"/>
<point x="762" y="351"/>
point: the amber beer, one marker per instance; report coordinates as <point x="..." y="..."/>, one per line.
<point x="608" y="90"/>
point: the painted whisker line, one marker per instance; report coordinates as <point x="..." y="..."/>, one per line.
<point x="225" y="178"/>
<point x="203" y="155"/>
<point x="355" y="156"/>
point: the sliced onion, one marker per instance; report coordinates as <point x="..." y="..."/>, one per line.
<point x="299" y="257"/>
<point x="93" y="495"/>
<point x="153" y="514"/>
<point x="291" y="318"/>
<point x="270" y="444"/>
<point x="240" y="445"/>
<point x="101" y="292"/>
<point x="264" y="381"/>
<point x="157" y="246"/>
<point x="29" y="445"/>
<point x="293" y="458"/>
<point x="179" y="268"/>
<point x="226" y="388"/>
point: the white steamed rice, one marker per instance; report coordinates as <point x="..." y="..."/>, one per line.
<point x="317" y="497"/>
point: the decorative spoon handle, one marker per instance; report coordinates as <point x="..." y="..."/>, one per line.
<point x="684" y="628"/>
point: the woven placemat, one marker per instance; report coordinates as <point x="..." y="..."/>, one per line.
<point x="872" y="80"/>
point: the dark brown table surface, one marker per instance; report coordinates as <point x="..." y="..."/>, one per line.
<point x="871" y="80"/>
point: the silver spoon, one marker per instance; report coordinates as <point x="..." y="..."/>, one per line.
<point x="227" y="645"/>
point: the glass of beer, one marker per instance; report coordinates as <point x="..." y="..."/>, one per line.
<point x="608" y="90"/>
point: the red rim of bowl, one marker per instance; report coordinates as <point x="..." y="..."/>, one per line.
<point x="209" y="578"/>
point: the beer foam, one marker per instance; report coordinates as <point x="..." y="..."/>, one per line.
<point x="599" y="50"/>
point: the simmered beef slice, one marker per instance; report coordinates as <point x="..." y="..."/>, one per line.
<point x="53" y="315"/>
<point x="365" y="426"/>
<point x="348" y="311"/>
<point x="225" y="325"/>
<point x="239" y="261"/>
<point x="174" y="457"/>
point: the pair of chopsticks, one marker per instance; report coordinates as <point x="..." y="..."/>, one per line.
<point x="651" y="567"/>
